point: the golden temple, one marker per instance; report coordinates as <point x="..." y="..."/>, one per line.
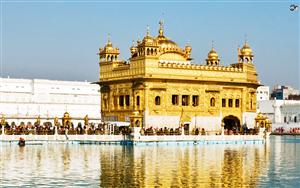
<point x="160" y="86"/>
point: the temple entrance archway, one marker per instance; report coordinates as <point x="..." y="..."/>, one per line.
<point x="231" y="123"/>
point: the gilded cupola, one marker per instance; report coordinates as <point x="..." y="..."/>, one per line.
<point x="147" y="47"/>
<point x="188" y="51"/>
<point x="245" y="54"/>
<point x="212" y="57"/>
<point x="246" y="50"/>
<point x="133" y="50"/>
<point x="148" y="40"/>
<point x="108" y="52"/>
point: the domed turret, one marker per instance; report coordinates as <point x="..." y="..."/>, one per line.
<point x="148" y="39"/>
<point x="133" y="50"/>
<point x="212" y="55"/>
<point x="212" y="58"/>
<point x="245" y="54"/>
<point x="188" y="50"/>
<point x="246" y="50"/>
<point x="109" y="53"/>
<point x="148" y="46"/>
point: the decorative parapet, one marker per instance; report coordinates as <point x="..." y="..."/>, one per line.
<point x="121" y="67"/>
<point x="199" y="67"/>
<point x="171" y="49"/>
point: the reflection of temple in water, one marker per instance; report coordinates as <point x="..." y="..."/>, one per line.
<point x="138" y="166"/>
<point x="186" y="166"/>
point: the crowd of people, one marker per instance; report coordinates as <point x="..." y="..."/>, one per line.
<point x="281" y="130"/>
<point x="295" y="130"/>
<point x="48" y="128"/>
<point x="171" y="131"/>
<point x="195" y="131"/>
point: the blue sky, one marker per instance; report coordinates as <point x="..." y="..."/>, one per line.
<point x="60" y="39"/>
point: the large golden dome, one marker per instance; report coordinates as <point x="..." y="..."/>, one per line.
<point x="163" y="41"/>
<point x="212" y="54"/>
<point x="246" y="50"/>
<point x="166" y="43"/>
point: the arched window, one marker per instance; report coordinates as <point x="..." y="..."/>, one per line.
<point x="148" y="51"/>
<point x="137" y="123"/>
<point x="157" y="100"/>
<point x="237" y="103"/>
<point x="295" y="119"/>
<point x="138" y="100"/>
<point x="212" y="102"/>
<point x="230" y="103"/>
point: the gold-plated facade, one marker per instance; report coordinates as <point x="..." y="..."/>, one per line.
<point x="167" y="89"/>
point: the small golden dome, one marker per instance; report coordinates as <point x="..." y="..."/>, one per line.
<point x="212" y="54"/>
<point x="188" y="48"/>
<point x="148" y="39"/>
<point x="133" y="49"/>
<point x="246" y="50"/>
<point x="108" y="44"/>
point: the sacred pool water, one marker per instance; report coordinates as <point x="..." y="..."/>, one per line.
<point x="274" y="164"/>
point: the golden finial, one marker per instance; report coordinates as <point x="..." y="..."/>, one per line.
<point x="148" y="31"/>
<point x="188" y="44"/>
<point x="139" y="39"/>
<point x="212" y="44"/>
<point x="245" y="38"/>
<point x="108" y="38"/>
<point x="161" y="28"/>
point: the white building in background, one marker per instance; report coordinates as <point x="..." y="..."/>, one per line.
<point x="282" y="113"/>
<point x="26" y="99"/>
<point x="263" y="93"/>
